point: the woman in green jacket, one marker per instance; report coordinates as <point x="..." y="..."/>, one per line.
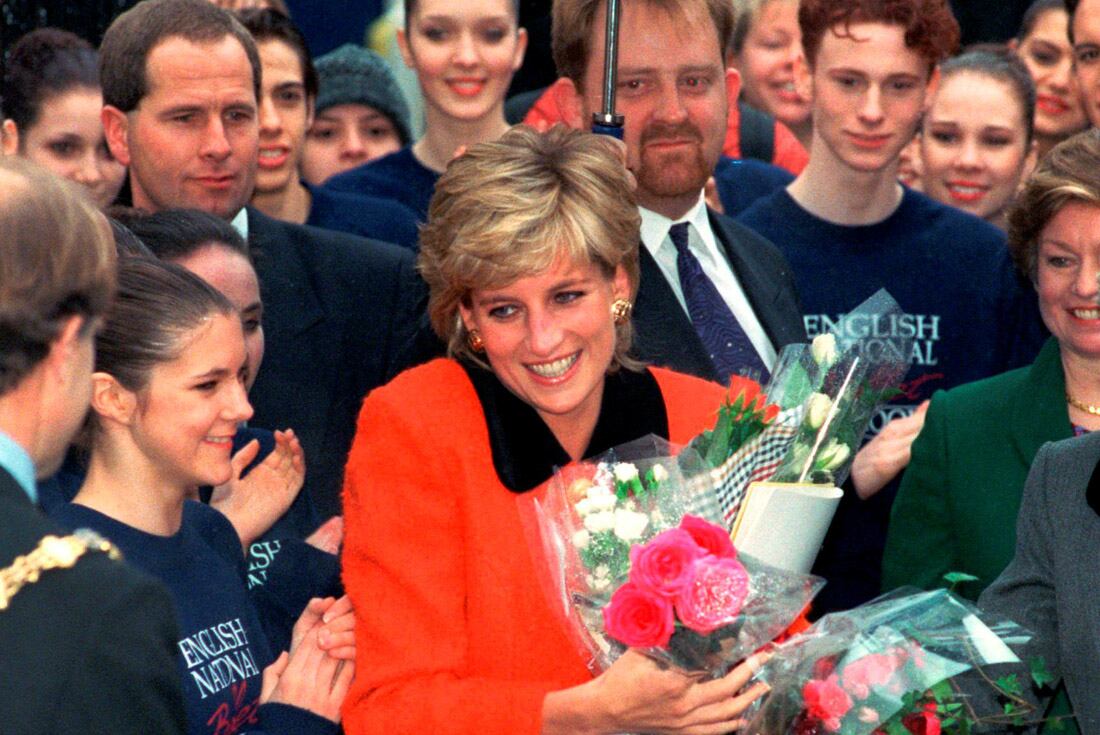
<point x="957" y="506"/>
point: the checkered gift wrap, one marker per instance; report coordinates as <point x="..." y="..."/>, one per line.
<point x="717" y="493"/>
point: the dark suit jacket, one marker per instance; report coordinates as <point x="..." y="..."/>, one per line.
<point x="1050" y="587"/>
<point x="89" y="649"/>
<point x="663" y="333"/>
<point x="339" y="315"/>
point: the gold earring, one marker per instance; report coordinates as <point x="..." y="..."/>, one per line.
<point x="475" y="342"/>
<point x="620" y="311"/>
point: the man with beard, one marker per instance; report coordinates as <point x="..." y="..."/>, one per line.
<point x="715" y="299"/>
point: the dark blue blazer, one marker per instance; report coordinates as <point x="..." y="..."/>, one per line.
<point x="340" y="313"/>
<point x="86" y="649"/>
<point x="663" y="333"/>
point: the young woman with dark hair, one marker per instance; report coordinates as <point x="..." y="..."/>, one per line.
<point x="168" y="394"/>
<point x="51" y="104"/>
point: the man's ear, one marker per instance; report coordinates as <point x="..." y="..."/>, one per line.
<point x="570" y="103"/>
<point x="111" y="401"/>
<point x="9" y="138"/>
<point x="64" y="346"/>
<point x="733" y="85"/>
<point x="116" y="127"/>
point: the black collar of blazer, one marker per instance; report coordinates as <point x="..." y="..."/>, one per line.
<point x="525" y="451"/>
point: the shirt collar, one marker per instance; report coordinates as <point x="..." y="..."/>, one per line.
<point x="17" y="462"/>
<point x="655" y="226"/>
<point x="525" y="451"/>
<point x="240" y="223"/>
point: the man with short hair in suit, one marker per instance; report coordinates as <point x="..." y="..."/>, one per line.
<point x="181" y="81"/>
<point x="86" y="643"/>
<point x="715" y="299"/>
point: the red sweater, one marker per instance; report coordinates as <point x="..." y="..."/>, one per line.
<point x="454" y="633"/>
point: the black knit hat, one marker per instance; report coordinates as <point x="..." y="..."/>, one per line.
<point x="356" y="75"/>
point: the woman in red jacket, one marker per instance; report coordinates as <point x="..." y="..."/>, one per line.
<point x="531" y="256"/>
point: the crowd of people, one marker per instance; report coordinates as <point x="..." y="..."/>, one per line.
<point x="296" y="365"/>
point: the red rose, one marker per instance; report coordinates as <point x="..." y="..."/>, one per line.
<point x="824" y="666"/>
<point x="873" y="670"/>
<point x="638" y="617"/>
<point x="827" y="701"/>
<point x="710" y="537"/>
<point x="663" y="565"/>
<point x="713" y="596"/>
<point x="922" y="723"/>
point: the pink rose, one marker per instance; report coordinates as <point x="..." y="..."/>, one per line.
<point x="827" y="701"/>
<point x="873" y="670"/>
<point x="710" y="537"/>
<point x="664" y="564"/>
<point x="638" y="617"/>
<point x="713" y="596"/>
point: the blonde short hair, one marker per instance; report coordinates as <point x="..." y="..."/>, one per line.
<point x="511" y="208"/>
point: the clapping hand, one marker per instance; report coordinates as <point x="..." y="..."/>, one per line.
<point x="253" y="503"/>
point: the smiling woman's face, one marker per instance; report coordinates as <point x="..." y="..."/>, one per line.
<point x="550" y="339"/>
<point x="464" y="54"/>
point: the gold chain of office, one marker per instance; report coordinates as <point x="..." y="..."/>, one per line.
<point x="52" y="552"/>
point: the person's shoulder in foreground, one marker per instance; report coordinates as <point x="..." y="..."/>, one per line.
<point x="1050" y="585"/>
<point x="359" y="214"/>
<point x="89" y="648"/>
<point x="399" y="176"/>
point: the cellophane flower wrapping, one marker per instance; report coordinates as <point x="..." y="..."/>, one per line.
<point x="891" y="666"/>
<point x="824" y="395"/>
<point x="628" y="563"/>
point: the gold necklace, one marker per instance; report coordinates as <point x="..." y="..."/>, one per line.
<point x="1086" y="407"/>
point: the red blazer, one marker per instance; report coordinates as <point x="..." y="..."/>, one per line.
<point x="454" y="633"/>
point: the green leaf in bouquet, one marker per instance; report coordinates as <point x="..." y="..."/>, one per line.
<point x="607" y="549"/>
<point x="1009" y="685"/>
<point x="1039" y="672"/>
<point x="954" y="579"/>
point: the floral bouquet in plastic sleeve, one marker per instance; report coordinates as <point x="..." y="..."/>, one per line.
<point x="909" y="663"/>
<point x="817" y="405"/>
<point x="628" y="565"/>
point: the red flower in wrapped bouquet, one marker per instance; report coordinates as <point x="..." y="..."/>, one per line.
<point x="826" y="700"/>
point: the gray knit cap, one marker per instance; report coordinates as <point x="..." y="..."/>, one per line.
<point x="355" y="75"/>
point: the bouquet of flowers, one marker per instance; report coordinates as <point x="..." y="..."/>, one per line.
<point x="810" y="420"/>
<point x="629" y="565"/>
<point x="905" y="664"/>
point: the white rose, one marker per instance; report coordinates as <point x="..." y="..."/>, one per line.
<point x="625" y="472"/>
<point x="599" y="522"/>
<point x="629" y="526"/>
<point x="581" y="539"/>
<point x="584" y="506"/>
<point x="823" y="349"/>
<point x="832" y="455"/>
<point x="660" y="474"/>
<point x="601" y="499"/>
<point x="817" y="409"/>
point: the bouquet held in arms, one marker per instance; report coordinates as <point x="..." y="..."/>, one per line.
<point x="629" y="566"/>
<point x="908" y="663"/>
